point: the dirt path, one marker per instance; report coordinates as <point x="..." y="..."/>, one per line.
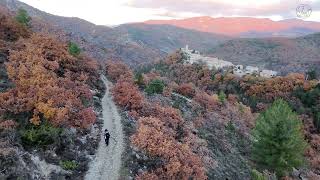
<point x="107" y="163"/>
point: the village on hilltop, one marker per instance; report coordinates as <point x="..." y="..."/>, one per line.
<point x="193" y="56"/>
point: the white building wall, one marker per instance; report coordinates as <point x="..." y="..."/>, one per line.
<point x="221" y="64"/>
<point x="268" y="73"/>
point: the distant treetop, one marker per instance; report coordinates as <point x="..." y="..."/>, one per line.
<point x="74" y="49"/>
<point x="23" y="17"/>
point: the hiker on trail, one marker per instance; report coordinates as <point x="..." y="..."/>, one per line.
<point x="106" y="136"/>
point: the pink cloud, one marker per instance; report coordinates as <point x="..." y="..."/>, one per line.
<point x="284" y="8"/>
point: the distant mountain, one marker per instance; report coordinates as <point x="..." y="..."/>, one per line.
<point x="245" y="26"/>
<point x="167" y="38"/>
<point x="140" y="42"/>
<point x="281" y="54"/>
<point x="133" y="43"/>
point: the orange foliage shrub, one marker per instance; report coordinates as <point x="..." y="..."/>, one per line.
<point x="271" y="89"/>
<point x="127" y="95"/>
<point x="147" y="78"/>
<point x="167" y="91"/>
<point x="168" y="115"/>
<point x="11" y="30"/>
<point x="6" y="148"/>
<point x="174" y="58"/>
<point x="8" y="124"/>
<point x="181" y="163"/>
<point x="117" y="69"/>
<point x="210" y="103"/>
<point x="171" y="86"/>
<point x="232" y="98"/>
<point x="49" y="82"/>
<point x="241" y="115"/>
<point x="313" y="176"/>
<point x="180" y="73"/>
<point x="313" y="151"/>
<point x="147" y="176"/>
<point x="152" y="137"/>
<point x="186" y="89"/>
<point x="314" y="158"/>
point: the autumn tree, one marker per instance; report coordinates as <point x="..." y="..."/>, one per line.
<point x="180" y="162"/>
<point x="271" y="89"/>
<point x="186" y="89"/>
<point x="127" y="95"/>
<point x="209" y="103"/>
<point x="171" y="117"/>
<point x="11" y="30"/>
<point x="278" y="140"/>
<point x="117" y="69"/>
<point x="49" y="84"/>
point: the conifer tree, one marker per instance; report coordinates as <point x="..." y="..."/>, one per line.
<point x="155" y="86"/>
<point x="278" y="140"/>
<point x="139" y="79"/>
<point x="222" y="96"/>
<point x="74" y="49"/>
<point x="23" y="17"/>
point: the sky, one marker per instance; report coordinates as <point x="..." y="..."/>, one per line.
<point x="115" y="12"/>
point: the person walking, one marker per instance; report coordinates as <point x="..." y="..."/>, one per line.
<point x="106" y="136"/>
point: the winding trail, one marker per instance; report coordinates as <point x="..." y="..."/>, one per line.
<point x="107" y="162"/>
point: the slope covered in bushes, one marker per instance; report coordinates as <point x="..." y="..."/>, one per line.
<point x="213" y="109"/>
<point x="45" y="91"/>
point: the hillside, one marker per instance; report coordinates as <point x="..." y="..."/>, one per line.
<point x="168" y="38"/>
<point x="65" y="115"/>
<point x="49" y="94"/>
<point x="245" y="26"/>
<point x="281" y="54"/>
<point x="187" y="121"/>
<point x="132" y="43"/>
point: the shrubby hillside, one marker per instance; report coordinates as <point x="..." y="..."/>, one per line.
<point x="186" y="121"/>
<point x="46" y="100"/>
<point x="181" y="121"/>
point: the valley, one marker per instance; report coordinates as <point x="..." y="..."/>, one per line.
<point x="198" y="98"/>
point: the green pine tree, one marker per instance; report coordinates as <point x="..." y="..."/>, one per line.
<point x="278" y="140"/>
<point x="139" y="79"/>
<point x="23" y="17"/>
<point x="256" y="175"/>
<point x="222" y="96"/>
<point x="74" y="49"/>
<point x="155" y="86"/>
<point x="312" y="74"/>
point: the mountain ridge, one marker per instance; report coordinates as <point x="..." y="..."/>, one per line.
<point x="241" y="26"/>
<point x="103" y="42"/>
<point x="139" y="43"/>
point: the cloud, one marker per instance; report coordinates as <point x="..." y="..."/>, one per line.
<point x="284" y="8"/>
<point x="114" y="12"/>
<point x="175" y="15"/>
